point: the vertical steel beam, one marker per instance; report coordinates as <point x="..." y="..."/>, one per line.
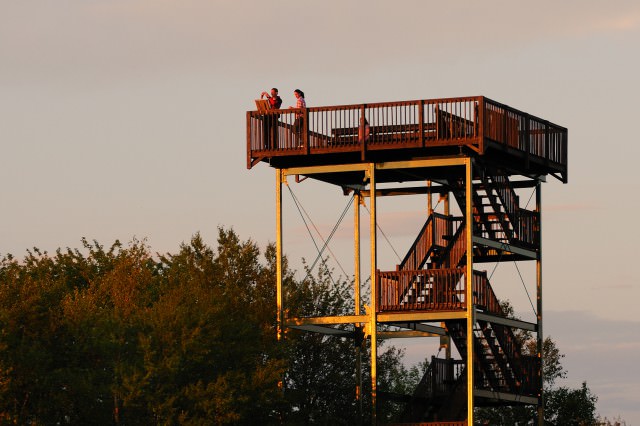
<point x="374" y="297"/>
<point x="279" y="296"/>
<point x="356" y="245"/>
<point x="539" y="304"/>
<point x="469" y="285"/>
<point x="356" y="281"/>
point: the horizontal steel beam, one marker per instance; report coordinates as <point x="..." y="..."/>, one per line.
<point x="334" y="320"/>
<point x="425" y="328"/>
<point x="503" y="396"/>
<point x="392" y="165"/>
<point x="394" y="317"/>
<point x="323" y="329"/>
<point x="414" y="190"/>
<point x="432" y="162"/>
<point x="312" y="170"/>
<point x="531" y="254"/>
<point x="404" y="334"/>
<point x="481" y="316"/>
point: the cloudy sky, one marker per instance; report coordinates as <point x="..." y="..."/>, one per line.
<point x="123" y="119"/>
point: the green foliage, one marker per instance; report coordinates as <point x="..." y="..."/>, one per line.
<point x="320" y="380"/>
<point x="571" y="407"/>
<point x="321" y="375"/>
<point x="552" y="368"/>
<point x="616" y="421"/>
<point x="49" y="355"/>
<point x="113" y="336"/>
<point x="120" y="336"/>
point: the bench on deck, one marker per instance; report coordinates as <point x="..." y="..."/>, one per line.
<point x="452" y="126"/>
<point x="447" y="126"/>
<point x="392" y="133"/>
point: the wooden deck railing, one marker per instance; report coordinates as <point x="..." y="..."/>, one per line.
<point x="528" y="228"/>
<point x="432" y="289"/>
<point x="470" y="121"/>
<point x="525" y="132"/>
<point x="440" y="379"/>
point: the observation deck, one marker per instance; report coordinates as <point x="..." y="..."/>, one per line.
<point x="407" y="130"/>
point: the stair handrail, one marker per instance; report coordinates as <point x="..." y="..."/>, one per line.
<point x="508" y="199"/>
<point x="419" y="242"/>
<point x="430" y="387"/>
<point x="457" y="247"/>
<point x="506" y="339"/>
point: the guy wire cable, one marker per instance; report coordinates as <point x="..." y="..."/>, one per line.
<point x="385" y="236"/>
<point x="301" y="209"/>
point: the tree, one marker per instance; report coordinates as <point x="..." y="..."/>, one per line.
<point x="121" y="336"/>
<point x="116" y="336"/>
<point x="320" y="380"/>
<point x="562" y="406"/>
<point x="571" y="407"/>
<point x="56" y="332"/>
<point x="208" y="352"/>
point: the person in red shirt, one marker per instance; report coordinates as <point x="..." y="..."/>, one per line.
<point x="274" y="100"/>
<point x="271" y="120"/>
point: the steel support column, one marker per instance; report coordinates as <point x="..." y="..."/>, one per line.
<point x="357" y="199"/>
<point x="279" y="297"/>
<point x="468" y="215"/>
<point x="356" y="282"/>
<point x="539" y="304"/>
<point x="374" y="297"/>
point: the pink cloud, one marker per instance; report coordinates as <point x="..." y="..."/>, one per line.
<point x="621" y="23"/>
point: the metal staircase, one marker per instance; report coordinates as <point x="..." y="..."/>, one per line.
<point x="440" y="248"/>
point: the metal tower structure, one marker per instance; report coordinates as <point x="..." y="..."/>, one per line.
<point x="477" y="155"/>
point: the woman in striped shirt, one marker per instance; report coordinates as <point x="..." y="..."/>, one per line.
<point x="298" y="125"/>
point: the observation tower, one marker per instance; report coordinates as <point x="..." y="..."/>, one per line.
<point x="477" y="155"/>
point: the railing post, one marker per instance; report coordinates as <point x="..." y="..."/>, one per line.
<point x="249" y="139"/>
<point x="527" y="141"/>
<point x="505" y="133"/>
<point x="565" y="153"/>
<point x="363" y="147"/>
<point x="433" y="375"/>
<point x="306" y="130"/>
<point x="481" y="121"/>
<point x="547" y="143"/>
<point x="421" y="124"/>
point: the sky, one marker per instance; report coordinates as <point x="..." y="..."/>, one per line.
<point x="124" y="119"/>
